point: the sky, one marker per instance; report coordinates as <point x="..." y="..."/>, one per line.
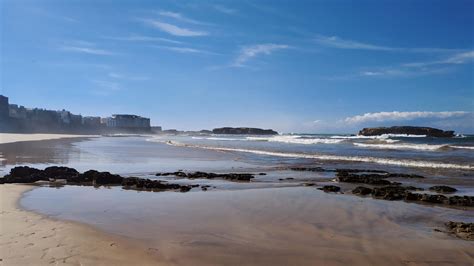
<point x="294" y="66"/>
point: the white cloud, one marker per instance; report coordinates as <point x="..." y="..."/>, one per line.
<point x="86" y="50"/>
<point x="180" y="17"/>
<point x="173" y="29"/>
<point x="141" y="38"/>
<point x="185" y="50"/>
<point x="127" y="77"/>
<point x="459" y="58"/>
<point x="250" y="52"/>
<point x="336" y="42"/>
<point x="402" y="116"/>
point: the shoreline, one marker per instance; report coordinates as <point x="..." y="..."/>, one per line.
<point x="6" y="138"/>
<point x="27" y="238"/>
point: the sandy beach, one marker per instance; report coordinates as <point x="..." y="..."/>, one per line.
<point x="11" y="137"/>
<point x="27" y="238"/>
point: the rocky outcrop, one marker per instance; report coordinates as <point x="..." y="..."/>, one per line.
<point x="330" y="188"/>
<point x="25" y="174"/>
<point x="204" y="175"/>
<point x="407" y="130"/>
<point x="243" y="131"/>
<point x="396" y="192"/>
<point x="372" y="178"/>
<point x="443" y="189"/>
<point x="461" y="230"/>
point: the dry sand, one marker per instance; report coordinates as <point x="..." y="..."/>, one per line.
<point x="27" y="238"/>
<point x="10" y="138"/>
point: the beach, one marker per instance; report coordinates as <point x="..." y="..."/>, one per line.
<point x="278" y="217"/>
<point x="31" y="239"/>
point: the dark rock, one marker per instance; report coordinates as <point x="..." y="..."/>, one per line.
<point x="243" y="131"/>
<point x="309" y="169"/>
<point x="361" y="171"/>
<point x="204" y="175"/>
<point x="461" y="201"/>
<point x="362" y="191"/>
<point x="443" y="189"/>
<point x="404" y="175"/>
<point x="407" y="130"/>
<point x="330" y="188"/>
<point x="100" y="178"/>
<point x="373" y="179"/>
<point x="309" y="184"/>
<point x="389" y="193"/>
<point x="60" y="172"/>
<point x="262" y="174"/>
<point x="462" y="230"/>
<point x="23" y="174"/>
<point x="142" y="183"/>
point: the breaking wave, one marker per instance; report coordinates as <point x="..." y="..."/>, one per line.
<point x="423" y="147"/>
<point x="366" y="159"/>
<point x="296" y="139"/>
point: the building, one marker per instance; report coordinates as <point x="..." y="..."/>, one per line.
<point x="91" y="121"/>
<point x="127" y="122"/>
<point x="4" y="108"/>
<point x="17" y="112"/>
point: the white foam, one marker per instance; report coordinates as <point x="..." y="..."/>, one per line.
<point x="462" y="147"/>
<point x="216" y="138"/>
<point x="366" y="159"/>
<point x="296" y="139"/>
<point x="423" y="147"/>
<point x="383" y="136"/>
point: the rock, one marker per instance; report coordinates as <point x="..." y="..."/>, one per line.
<point x="309" y="184"/>
<point x="462" y="230"/>
<point x="461" y="201"/>
<point x="373" y="179"/>
<point x="404" y="175"/>
<point x="407" y="130"/>
<point x="443" y="189"/>
<point x="60" y="172"/>
<point x="330" y="188"/>
<point x="361" y="171"/>
<point x="142" y="183"/>
<point x="100" y="178"/>
<point x="262" y="174"/>
<point x="204" y="175"/>
<point x="243" y="131"/>
<point x="389" y="193"/>
<point x="309" y="169"/>
<point x="362" y="191"/>
<point x="23" y="174"/>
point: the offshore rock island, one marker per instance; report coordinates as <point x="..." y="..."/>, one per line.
<point x="407" y="130"/>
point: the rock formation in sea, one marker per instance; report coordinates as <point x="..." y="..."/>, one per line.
<point x="244" y="131"/>
<point x="407" y="130"/>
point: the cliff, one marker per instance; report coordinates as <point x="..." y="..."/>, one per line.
<point x="243" y="131"/>
<point x="428" y="131"/>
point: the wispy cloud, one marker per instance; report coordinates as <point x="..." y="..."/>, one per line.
<point x="402" y="116"/>
<point x="339" y="43"/>
<point x="184" y="50"/>
<point x="86" y="50"/>
<point x="336" y="42"/>
<point x="141" y="38"/>
<point x="173" y="29"/>
<point x="456" y="59"/>
<point x="225" y="10"/>
<point x="122" y="76"/>
<point x="249" y="52"/>
<point x="180" y="17"/>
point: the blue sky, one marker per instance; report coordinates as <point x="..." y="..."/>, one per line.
<point x="295" y="66"/>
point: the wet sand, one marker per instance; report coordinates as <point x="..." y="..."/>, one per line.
<point x="270" y="226"/>
<point x="13" y="137"/>
<point x="27" y="238"/>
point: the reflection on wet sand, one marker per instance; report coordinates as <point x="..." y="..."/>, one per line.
<point x="278" y="226"/>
